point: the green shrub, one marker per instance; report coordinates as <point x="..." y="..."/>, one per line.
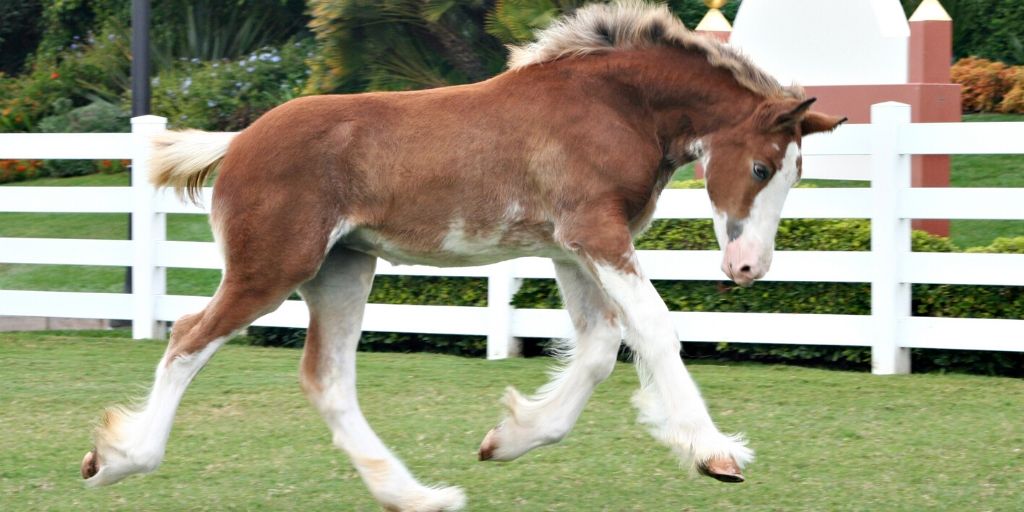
<point x="473" y="346"/>
<point x="230" y="95"/>
<point x="91" y="69"/>
<point x="97" y="117"/>
<point x="67" y="168"/>
<point x="811" y="298"/>
<point x="1013" y="245"/>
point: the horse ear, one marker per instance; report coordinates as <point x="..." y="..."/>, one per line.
<point x="816" y="122"/>
<point x="784" y="114"/>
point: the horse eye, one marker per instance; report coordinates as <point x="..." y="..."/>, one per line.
<point x="761" y="172"/>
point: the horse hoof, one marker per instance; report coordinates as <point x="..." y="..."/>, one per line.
<point x="90" y="464"/>
<point x="488" y="445"/>
<point x="723" y="470"/>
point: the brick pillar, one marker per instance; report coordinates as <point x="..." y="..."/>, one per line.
<point x="930" y="54"/>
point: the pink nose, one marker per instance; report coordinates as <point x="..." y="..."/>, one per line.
<point x="742" y="263"/>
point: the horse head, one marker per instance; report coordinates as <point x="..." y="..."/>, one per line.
<point x="750" y="168"/>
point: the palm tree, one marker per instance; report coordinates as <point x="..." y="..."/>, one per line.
<point x="413" y="44"/>
<point x="400" y="44"/>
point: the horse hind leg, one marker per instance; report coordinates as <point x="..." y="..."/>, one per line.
<point x="336" y="298"/>
<point x="131" y="441"/>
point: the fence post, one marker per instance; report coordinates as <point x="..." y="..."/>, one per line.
<point x="148" y="227"/>
<point x="501" y="287"/>
<point x="890" y="238"/>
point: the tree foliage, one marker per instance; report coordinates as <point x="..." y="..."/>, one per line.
<point x="413" y="44"/>
<point x="400" y="44"/>
<point x="993" y="29"/>
<point x="190" y="29"/>
<point x="19" y="32"/>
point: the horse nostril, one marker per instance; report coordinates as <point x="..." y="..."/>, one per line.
<point x="745" y="269"/>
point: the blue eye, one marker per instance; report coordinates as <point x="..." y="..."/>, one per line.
<point x="761" y="171"/>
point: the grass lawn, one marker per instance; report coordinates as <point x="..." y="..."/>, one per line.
<point x="99" y="226"/>
<point x="246" y="439"/>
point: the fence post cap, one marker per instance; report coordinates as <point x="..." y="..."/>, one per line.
<point x="900" y="112"/>
<point x="149" y="119"/>
<point x="890" y="104"/>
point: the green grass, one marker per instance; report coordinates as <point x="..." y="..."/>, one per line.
<point x="246" y="439"/>
<point x="992" y="117"/>
<point x="91" y="180"/>
<point x="96" y="226"/>
<point x="986" y="171"/>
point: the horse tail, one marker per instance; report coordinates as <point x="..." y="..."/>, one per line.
<point x="184" y="159"/>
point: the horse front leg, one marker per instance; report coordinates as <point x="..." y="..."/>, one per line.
<point x="669" y="402"/>
<point x="549" y="415"/>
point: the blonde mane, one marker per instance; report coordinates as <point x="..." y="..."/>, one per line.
<point x="632" y="24"/>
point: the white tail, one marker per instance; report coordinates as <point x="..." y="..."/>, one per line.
<point x="184" y="159"/>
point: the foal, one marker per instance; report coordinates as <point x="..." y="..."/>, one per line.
<point x="563" y="156"/>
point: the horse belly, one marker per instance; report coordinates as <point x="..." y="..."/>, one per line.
<point x="456" y="248"/>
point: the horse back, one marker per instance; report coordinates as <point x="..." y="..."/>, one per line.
<point x="458" y="169"/>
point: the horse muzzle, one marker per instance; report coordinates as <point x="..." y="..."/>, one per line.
<point x="745" y="261"/>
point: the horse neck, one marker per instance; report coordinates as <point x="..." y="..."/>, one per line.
<point x="686" y="97"/>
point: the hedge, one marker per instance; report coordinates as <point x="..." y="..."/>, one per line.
<point x="989" y="86"/>
<point x="794" y="234"/>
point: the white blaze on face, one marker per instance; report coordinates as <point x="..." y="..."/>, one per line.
<point x="749" y="255"/>
<point x="719" y="220"/>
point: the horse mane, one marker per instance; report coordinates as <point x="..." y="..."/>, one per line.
<point x="632" y="24"/>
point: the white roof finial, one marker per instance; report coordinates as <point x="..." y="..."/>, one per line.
<point x="714" y="20"/>
<point x="930" y="10"/>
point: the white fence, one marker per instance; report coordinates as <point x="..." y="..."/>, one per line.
<point x="878" y="151"/>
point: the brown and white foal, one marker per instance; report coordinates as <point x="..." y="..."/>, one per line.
<point x="562" y="156"/>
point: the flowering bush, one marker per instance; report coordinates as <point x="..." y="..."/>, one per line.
<point x="19" y="170"/>
<point x="989" y="86"/>
<point x="89" y="68"/>
<point x="1013" y="100"/>
<point x="230" y="94"/>
<point x="982" y="83"/>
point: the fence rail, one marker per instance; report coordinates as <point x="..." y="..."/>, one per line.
<point x="878" y="151"/>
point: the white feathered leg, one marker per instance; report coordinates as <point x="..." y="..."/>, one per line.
<point x="668" y="399"/>
<point x="549" y="415"/>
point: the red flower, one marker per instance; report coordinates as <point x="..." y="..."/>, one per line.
<point x="54" y="75"/>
